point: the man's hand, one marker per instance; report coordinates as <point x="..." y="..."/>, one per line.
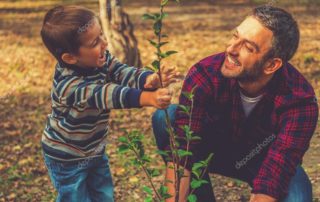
<point x="261" y="198"/>
<point x="160" y="98"/>
<point x="184" y="184"/>
<point x="168" y="75"/>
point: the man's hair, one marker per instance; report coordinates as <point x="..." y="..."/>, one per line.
<point x="62" y="27"/>
<point x="285" y="31"/>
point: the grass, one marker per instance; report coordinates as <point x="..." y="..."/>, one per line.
<point x="196" y="30"/>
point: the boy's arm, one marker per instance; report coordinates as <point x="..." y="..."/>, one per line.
<point x="77" y="92"/>
<point x="125" y="75"/>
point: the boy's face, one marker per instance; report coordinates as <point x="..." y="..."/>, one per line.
<point x="93" y="46"/>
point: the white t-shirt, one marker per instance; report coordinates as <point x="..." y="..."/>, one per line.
<point x="249" y="103"/>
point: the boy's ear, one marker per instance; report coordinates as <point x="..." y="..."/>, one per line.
<point x="69" y="58"/>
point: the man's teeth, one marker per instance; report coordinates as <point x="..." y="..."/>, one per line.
<point x="233" y="61"/>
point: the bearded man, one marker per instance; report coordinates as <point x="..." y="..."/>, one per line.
<point x="252" y="109"/>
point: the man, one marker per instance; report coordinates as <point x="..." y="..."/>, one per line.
<point x="252" y="109"/>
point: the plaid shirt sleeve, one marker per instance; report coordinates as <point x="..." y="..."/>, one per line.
<point x="297" y="127"/>
<point x="198" y="80"/>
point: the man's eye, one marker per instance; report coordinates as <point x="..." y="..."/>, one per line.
<point x="235" y="36"/>
<point x="249" y="48"/>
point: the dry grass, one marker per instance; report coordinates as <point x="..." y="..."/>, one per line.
<point x="196" y="30"/>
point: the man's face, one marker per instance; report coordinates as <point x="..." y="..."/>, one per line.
<point x="246" y="50"/>
<point x="92" y="51"/>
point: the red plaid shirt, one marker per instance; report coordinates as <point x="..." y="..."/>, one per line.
<point x="292" y="117"/>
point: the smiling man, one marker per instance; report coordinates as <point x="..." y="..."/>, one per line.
<point x="252" y="109"/>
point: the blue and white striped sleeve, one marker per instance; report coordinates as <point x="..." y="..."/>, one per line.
<point x="77" y="92"/>
<point x="125" y="75"/>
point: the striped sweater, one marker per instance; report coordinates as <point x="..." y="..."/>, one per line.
<point x="81" y="102"/>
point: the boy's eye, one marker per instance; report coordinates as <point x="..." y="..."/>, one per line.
<point x="235" y="36"/>
<point x="95" y="43"/>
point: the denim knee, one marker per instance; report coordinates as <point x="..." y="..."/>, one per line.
<point x="300" y="188"/>
<point x="159" y="125"/>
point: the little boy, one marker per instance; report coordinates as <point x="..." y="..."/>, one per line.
<point x="88" y="83"/>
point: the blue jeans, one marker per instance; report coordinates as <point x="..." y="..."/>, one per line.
<point x="84" y="180"/>
<point x="300" y="188"/>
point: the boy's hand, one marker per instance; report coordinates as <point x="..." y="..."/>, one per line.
<point x="160" y="98"/>
<point x="168" y="74"/>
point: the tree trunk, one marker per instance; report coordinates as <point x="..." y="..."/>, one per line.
<point x="118" y="30"/>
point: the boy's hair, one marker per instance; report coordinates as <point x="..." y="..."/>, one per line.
<point x="62" y="27"/>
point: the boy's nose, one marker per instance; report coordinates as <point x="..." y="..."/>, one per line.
<point x="104" y="42"/>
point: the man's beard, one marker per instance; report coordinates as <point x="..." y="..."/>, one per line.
<point x="250" y="75"/>
<point x="253" y="74"/>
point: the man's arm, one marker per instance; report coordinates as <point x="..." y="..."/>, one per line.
<point x="297" y="127"/>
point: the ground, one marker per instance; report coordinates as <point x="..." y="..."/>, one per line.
<point x="195" y="29"/>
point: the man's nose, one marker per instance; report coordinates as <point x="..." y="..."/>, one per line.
<point x="234" y="47"/>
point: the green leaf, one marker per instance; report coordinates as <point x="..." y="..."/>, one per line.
<point x="187" y="130"/>
<point x="123" y="139"/>
<point x="168" y="53"/>
<point x="123" y="148"/>
<point x="196" y="138"/>
<point x="197" y="183"/>
<point x="162" y="44"/>
<point x="198" y="165"/>
<point x="147" y="190"/>
<point x="146" y="159"/>
<point x="183" y="153"/>
<point x="148" y="16"/>
<point x="148" y="199"/>
<point x="209" y="158"/>
<point x="163" y="191"/>
<point x="162" y="153"/>
<point x="156" y="64"/>
<point x="153" y="43"/>
<point x="151" y="68"/>
<point x="154" y="172"/>
<point x="164" y="15"/>
<point x="192" y="198"/>
<point x="185" y="109"/>
<point x="164" y="2"/>
<point x="188" y="95"/>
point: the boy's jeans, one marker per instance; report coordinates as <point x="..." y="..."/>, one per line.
<point x="85" y="180"/>
<point x="300" y="189"/>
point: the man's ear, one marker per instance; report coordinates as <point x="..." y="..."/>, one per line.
<point x="69" y="58"/>
<point x="273" y="65"/>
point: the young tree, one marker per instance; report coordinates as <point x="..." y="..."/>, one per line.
<point x="118" y="29"/>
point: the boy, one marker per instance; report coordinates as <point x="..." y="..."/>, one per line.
<point x="88" y="83"/>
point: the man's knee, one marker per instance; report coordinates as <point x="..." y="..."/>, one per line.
<point x="160" y="127"/>
<point x="300" y="188"/>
